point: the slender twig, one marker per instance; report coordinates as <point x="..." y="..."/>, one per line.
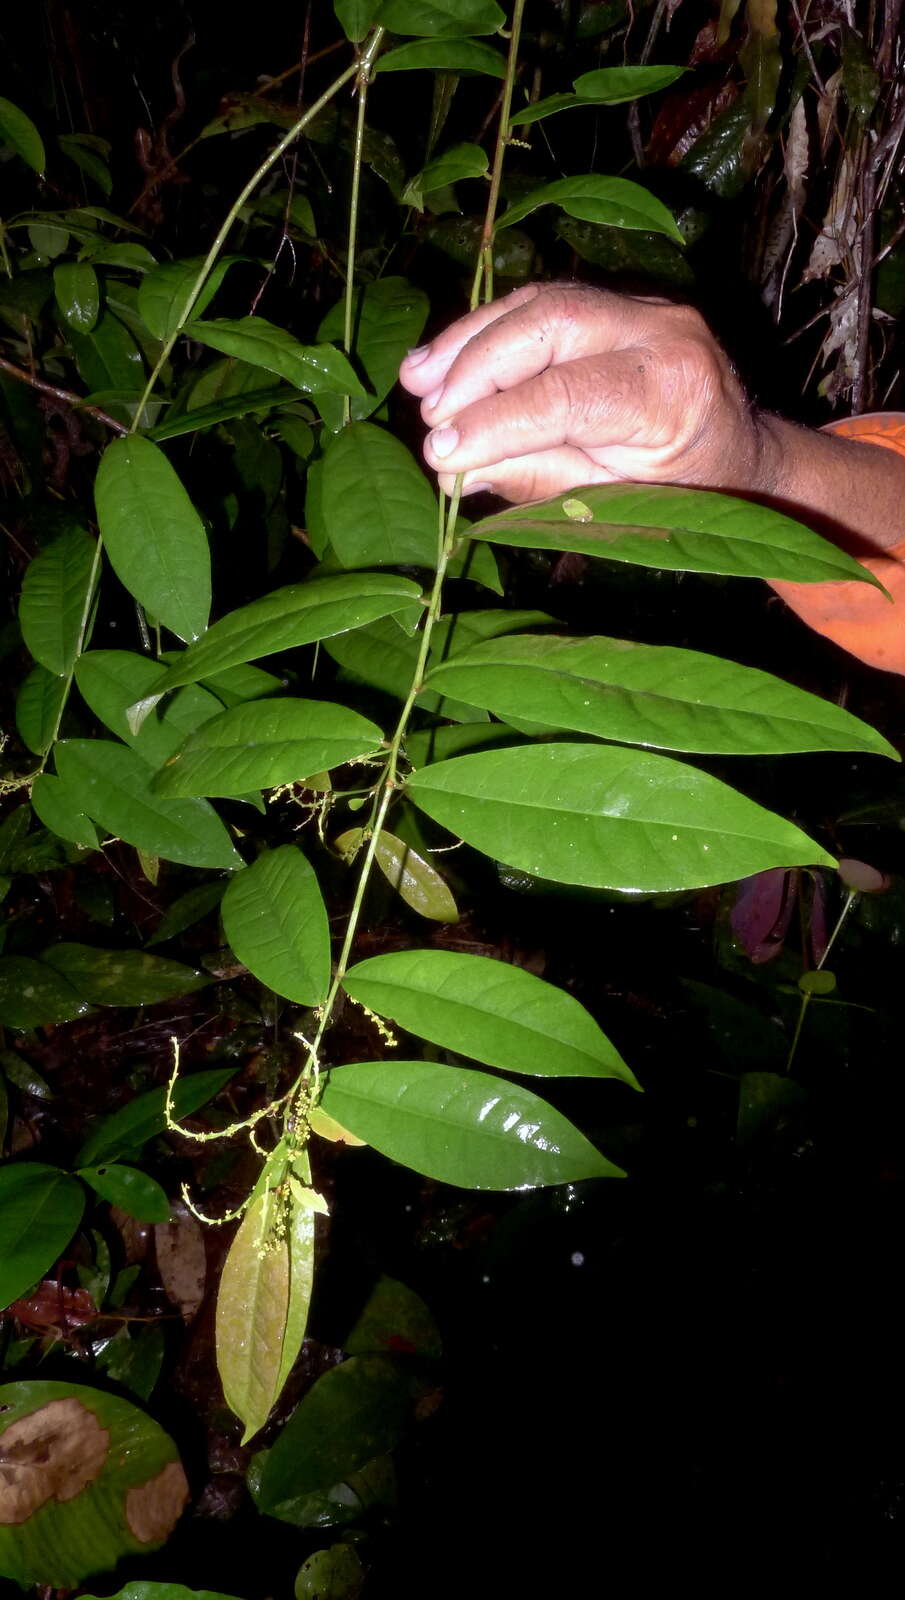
<point x="65" y="396"/>
<point x="247" y="191"/>
<point x="484" y="266"/>
<point x="364" y="78"/>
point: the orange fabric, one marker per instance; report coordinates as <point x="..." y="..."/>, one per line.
<point x="860" y="619"/>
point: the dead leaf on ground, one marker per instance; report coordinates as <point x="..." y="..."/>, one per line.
<point x="182" y="1260"/>
<point x="52" y="1454"/>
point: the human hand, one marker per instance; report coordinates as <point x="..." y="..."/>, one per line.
<point x="559" y="385"/>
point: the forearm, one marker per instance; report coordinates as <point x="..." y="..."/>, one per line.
<point x="852" y="492"/>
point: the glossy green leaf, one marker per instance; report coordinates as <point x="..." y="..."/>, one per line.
<point x="131" y="257"/>
<point x="241" y="405"/>
<point x="147" y="1589"/>
<point x="48" y="239"/>
<point x="416" y="882"/>
<point x="300" y="614"/>
<point x="316" y="368"/>
<point x="265" y="743"/>
<point x="235" y="685"/>
<point x="19" y="132"/>
<point x="441" y="18"/>
<point x="462" y="56"/>
<point x="56" y="595"/>
<point x="134" y="1359"/>
<point x="389" y="316"/>
<point x="252" y="1307"/>
<point x="77" y="293"/>
<point x="376" y="505"/>
<point x="124" y="1132"/>
<point x="33" y="995"/>
<point x="334" y="1573"/>
<point x="24" y="1076"/>
<point x="459" y="162"/>
<point x="53" y="805"/>
<point x="549" y="106"/>
<point x="133" y="1191"/>
<point x="442" y="742"/>
<point x="677" y="530"/>
<point x="39" y="706"/>
<point x="650" y="695"/>
<point x="108" y="357"/>
<point x="276" y="923"/>
<point x="354" y="1412"/>
<point x="164" y="294"/>
<point x="489" y="1010"/>
<point x="395" y="1320"/>
<point x="40" y="1210"/>
<point x="112" y="785"/>
<point x="608" y="818"/>
<point x="460" y="1126"/>
<point x="188" y="909"/>
<point x="100" y="1480"/>
<point x="88" y="159"/>
<point x="514" y="251"/>
<point x="296" y="433"/>
<point x="122" y="977"/>
<point x="616" y="201"/>
<point x="385" y="658"/>
<point x="618" y="84"/>
<point x="355" y="16"/>
<point x="111" y="680"/>
<point x="154" y="536"/>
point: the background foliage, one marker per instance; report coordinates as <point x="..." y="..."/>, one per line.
<point x="736" y="1283"/>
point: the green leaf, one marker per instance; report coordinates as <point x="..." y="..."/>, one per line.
<point x="442" y="742"/>
<point x="154" y="536"/>
<point x="112" y="785"/>
<point x="122" y="977"/>
<point x="395" y="1320"/>
<point x="275" y="920"/>
<point x="618" y="84"/>
<point x="111" y="680"/>
<point x="146" y="1589"/>
<point x="188" y="909"/>
<point x="677" y="530"/>
<point x="615" y="201"/>
<point x="235" y="685"/>
<point x="462" y="56"/>
<point x="300" y="1239"/>
<point x="459" y="162"/>
<point x="48" y="239"/>
<point x="39" y="706"/>
<point x="164" y="294"/>
<point x="489" y="1010"/>
<point x="134" y="1360"/>
<point x="19" y="132"/>
<point x="94" y="1479"/>
<point x="383" y="657"/>
<point x="300" y="614"/>
<point x="56" y="594"/>
<point x="441" y="18"/>
<point x="265" y="743"/>
<point x="88" y="159"/>
<point x="130" y="257"/>
<point x="355" y="17"/>
<point x="108" y="357"/>
<point x="252" y="1309"/>
<point x="314" y="369"/>
<point x="353" y="1413"/>
<point x="608" y="818"/>
<point x="40" y="1210"/>
<point x="33" y="995"/>
<point x="133" y="1191"/>
<point x="460" y="1126"/>
<point x="649" y="695"/>
<point x="414" y="879"/>
<point x="335" y="1573"/>
<point x="258" y="400"/>
<point x="53" y="805"/>
<point x="77" y="293"/>
<point x="389" y="317"/>
<point x="376" y="505"/>
<point x="124" y="1132"/>
<point x="24" y="1076"/>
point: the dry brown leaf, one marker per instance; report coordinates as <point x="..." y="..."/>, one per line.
<point x="181" y="1259"/>
<point x="836" y="240"/>
<point x="52" y="1454"/>
<point x="154" y="1508"/>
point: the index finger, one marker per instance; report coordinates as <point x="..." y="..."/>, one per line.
<point x="422" y="370"/>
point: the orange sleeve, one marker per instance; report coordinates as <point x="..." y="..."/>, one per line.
<point x="858" y="618"/>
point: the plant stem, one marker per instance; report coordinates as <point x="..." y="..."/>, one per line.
<point x="65" y="396"/>
<point x="850" y="899"/>
<point x="364" y="78"/>
<point x="233" y="212"/>
<point x="83" y="631"/>
<point x="484" y="268"/>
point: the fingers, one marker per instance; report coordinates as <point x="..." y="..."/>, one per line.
<point x="424" y="369"/>
<point x="532" y="477"/>
<point x="590" y="404"/>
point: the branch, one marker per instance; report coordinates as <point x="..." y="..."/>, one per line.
<point x="65" y="396"/>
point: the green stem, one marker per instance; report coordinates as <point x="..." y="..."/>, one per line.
<point x="484" y="267"/>
<point x="364" y="78"/>
<point x="214" y="251"/>
<point x="83" y="630"/>
<point x="850" y="899"/>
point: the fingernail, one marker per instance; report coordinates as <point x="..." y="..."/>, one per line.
<point x="444" y="441"/>
<point x="477" y="488"/>
<point x="418" y="354"/>
<point x="435" y="398"/>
